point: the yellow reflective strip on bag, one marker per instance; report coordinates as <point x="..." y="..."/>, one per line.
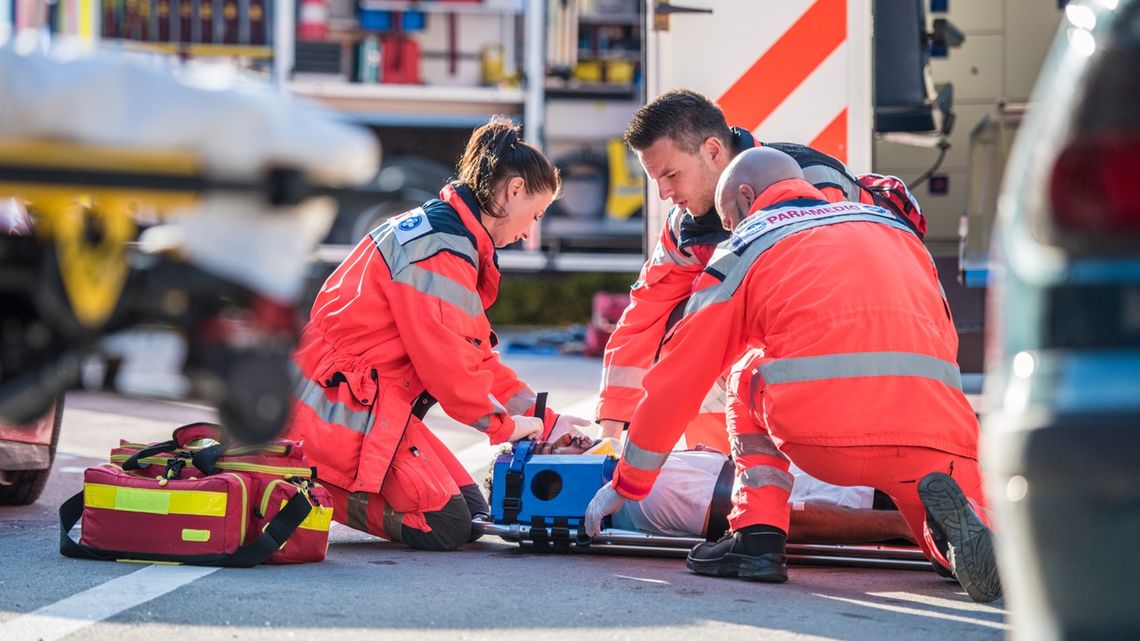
<point x="134" y="499"/>
<point x="319" y="518"/>
<point x="198" y="536"/>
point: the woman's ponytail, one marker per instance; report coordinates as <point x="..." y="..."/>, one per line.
<point x="496" y="152"/>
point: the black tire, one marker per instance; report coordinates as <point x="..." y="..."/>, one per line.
<point x="23" y="487"/>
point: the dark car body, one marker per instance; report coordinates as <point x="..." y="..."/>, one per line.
<point x="1061" y="436"/>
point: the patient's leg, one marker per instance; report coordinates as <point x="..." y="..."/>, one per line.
<point x="818" y="522"/>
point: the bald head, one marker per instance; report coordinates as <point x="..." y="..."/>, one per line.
<point x="751" y="172"/>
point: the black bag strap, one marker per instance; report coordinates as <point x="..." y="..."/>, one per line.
<point x="512" y="497"/>
<point x="158" y="448"/>
<point x="276" y="533"/>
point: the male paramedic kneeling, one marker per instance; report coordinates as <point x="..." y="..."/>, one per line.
<point x="402" y="323"/>
<point x="684" y="143"/>
<point x="858" y="386"/>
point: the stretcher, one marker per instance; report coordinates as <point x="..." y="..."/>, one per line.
<point x="538" y="501"/>
<point x="156" y="200"/>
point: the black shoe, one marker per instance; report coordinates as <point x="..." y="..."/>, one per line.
<point x="943" y="546"/>
<point x="756" y="553"/>
<point x="969" y="543"/>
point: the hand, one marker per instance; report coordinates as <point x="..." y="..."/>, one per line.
<point x="567" y="424"/>
<point x="605" y="502"/>
<point x="526" y="427"/>
<point x="611" y="428"/>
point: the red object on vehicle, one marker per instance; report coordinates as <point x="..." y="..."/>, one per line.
<point x="1093" y="187"/>
<point x="313" y="23"/>
<point x="401" y="59"/>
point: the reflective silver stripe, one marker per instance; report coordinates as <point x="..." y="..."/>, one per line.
<point x="484" y="422"/>
<point x="441" y="287"/>
<point x="399" y="256"/>
<point x="496" y="404"/>
<point x="645" y="460"/>
<point x="621" y="376"/>
<point x="858" y="365"/>
<point x="734" y="268"/>
<point x="401" y="261"/>
<point x="313" y="394"/>
<point x="767" y="476"/>
<point x="824" y="175"/>
<point x="522" y="401"/>
<point x="358" y="510"/>
<point x="754" y="445"/>
<point x="393" y="524"/>
<point x="715" y="401"/>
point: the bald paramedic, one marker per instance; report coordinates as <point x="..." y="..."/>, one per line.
<point x="858" y="384"/>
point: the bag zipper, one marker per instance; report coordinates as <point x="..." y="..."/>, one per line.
<point x="303" y="472"/>
<point x="244" y="503"/>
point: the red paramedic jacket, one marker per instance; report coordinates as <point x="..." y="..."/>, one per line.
<point x="400" y="323"/>
<point x="667" y="278"/>
<point x="846" y="301"/>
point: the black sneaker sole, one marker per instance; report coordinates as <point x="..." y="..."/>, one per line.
<point x="971" y="542"/>
<point x="765" y="568"/>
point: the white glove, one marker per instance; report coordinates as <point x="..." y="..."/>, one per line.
<point x="567" y="424"/>
<point x="605" y="502"/>
<point x="526" y="427"/>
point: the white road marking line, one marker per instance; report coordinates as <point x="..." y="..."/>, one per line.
<point x="55" y="621"/>
<point x="72" y="469"/>
<point x="642" y="579"/>
<point x="948" y="604"/>
<point x="933" y="614"/>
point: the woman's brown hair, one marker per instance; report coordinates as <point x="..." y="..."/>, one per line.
<point x="496" y="153"/>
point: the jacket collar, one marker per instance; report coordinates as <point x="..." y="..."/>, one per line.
<point x="462" y="199"/>
<point x="785" y="190"/>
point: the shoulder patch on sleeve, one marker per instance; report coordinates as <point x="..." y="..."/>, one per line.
<point x="411" y="225"/>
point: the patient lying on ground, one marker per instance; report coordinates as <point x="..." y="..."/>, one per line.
<point x="682" y="502"/>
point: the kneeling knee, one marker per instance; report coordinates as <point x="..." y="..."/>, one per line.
<point x="450" y="528"/>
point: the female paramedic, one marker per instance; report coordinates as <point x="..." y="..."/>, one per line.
<point x="402" y="324"/>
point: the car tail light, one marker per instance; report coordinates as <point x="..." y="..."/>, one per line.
<point x="1096" y="184"/>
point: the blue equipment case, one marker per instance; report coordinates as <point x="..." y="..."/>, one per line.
<point x="546" y="490"/>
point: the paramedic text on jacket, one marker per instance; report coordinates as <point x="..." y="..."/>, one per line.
<point x="402" y="323"/>
<point x="858" y="385"/>
<point x="684" y="143"/>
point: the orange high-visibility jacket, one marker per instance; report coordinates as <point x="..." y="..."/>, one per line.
<point x="846" y="300"/>
<point x="667" y="278"/>
<point x="403" y="317"/>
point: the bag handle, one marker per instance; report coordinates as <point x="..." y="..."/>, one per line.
<point x="191" y="432"/>
<point x="276" y="533"/>
<point x="203" y="459"/>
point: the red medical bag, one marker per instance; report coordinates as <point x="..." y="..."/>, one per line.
<point x="192" y="500"/>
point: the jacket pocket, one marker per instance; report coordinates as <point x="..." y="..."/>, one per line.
<point x="414" y="483"/>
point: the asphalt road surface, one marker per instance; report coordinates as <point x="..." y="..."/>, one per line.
<point x="368" y="588"/>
